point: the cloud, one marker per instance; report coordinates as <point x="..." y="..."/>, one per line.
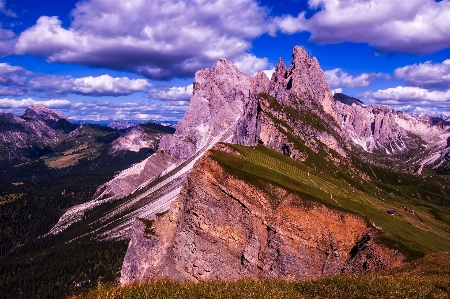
<point x="409" y="95"/>
<point x="7" y="41"/>
<point x="157" y="39"/>
<point x="95" y="110"/>
<point x="12" y="92"/>
<point x="250" y="64"/>
<point x="25" y="103"/>
<point x="338" y="78"/>
<point x="424" y="110"/>
<point x="5" y="11"/>
<point x="13" y="75"/>
<point x="433" y="111"/>
<point x="15" y="80"/>
<point x="173" y="94"/>
<point x="414" y="26"/>
<point x="427" y="75"/>
<point x="337" y="90"/>
<point x="269" y="72"/>
<point x="103" y="85"/>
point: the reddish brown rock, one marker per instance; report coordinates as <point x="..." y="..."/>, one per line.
<point x="224" y="228"/>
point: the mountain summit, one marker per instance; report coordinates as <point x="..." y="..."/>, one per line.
<point x="42" y="112"/>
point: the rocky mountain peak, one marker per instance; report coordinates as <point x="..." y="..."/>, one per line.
<point x="347" y="100"/>
<point x="216" y="104"/>
<point x="260" y="83"/>
<point x="303" y="81"/>
<point x="299" y="54"/>
<point x="42" y="112"/>
<point x="278" y="79"/>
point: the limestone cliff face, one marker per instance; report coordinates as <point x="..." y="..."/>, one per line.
<point x="296" y="103"/>
<point x="423" y="140"/>
<point x="384" y="129"/>
<point x="216" y="104"/>
<point x="221" y="227"/>
<point x="304" y="80"/>
<point x="215" y="107"/>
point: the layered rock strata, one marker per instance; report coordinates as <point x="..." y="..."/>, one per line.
<point x="296" y="103"/>
<point x="221" y="227"/>
<point x="216" y="105"/>
<point x="418" y="140"/>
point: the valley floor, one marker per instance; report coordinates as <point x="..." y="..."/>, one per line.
<point x="428" y="277"/>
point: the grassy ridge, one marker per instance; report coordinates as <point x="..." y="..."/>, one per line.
<point x="425" y="278"/>
<point x="413" y="234"/>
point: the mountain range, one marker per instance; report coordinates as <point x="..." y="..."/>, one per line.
<point x="262" y="178"/>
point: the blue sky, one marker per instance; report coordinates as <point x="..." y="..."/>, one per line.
<point x="135" y="59"/>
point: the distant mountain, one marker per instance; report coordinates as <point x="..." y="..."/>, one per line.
<point x="41" y="131"/>
<point x="48" y="165"/>
<point x="118" y="125"/>
<point x="30" y="135"/>
<point x="345" y="99"/>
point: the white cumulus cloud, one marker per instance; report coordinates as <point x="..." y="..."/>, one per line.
<point x="250" y="64"/>
<point x="155" y="38"/>
<point x="336" y="90"/>
<point x="414" y="26"/>
<point x="410" y="95"/>
<point x="103" y="85"/>
<point x="15" y="80"/>
<point x="427" y="74"/>
<point x="338" y="78"/>
<point x="173" y="94"/>
<point x="25" y="103"/>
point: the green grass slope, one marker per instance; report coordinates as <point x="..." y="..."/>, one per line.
<point x="317" y="179"/>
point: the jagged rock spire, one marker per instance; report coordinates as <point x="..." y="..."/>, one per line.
<point x="304" y="79"/>
<point x="248" y="129"/>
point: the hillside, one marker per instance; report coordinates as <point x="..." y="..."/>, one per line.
<point x="36" y="188"/>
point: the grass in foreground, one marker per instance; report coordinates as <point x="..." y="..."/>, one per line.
<point x="425" y="278"/>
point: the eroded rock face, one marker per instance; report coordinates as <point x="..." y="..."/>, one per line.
<point x="295" y="103"/>
<point x="215" y="107"/>
<point x="303" y="80"/>
<point x="221" y="227"/>
<point x="217" y="103"/>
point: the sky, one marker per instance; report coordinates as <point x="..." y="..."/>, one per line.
<point x="136" y="59"/>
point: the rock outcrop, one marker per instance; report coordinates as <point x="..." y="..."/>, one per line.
<point x="296" y="103"/>
<point x="293" y="113"/>
<point x="216" y="105"/>
<point x="228" y="105"/>
<point x="382" y="129"/>
<point x="421" y="140"/>
<point x="140" y="136"/>
<point x="222" y="227"/>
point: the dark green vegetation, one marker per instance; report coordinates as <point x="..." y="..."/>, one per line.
<point x="34" y="195"/>
<point x="369" y="195"/>
<point x="425" y="278"/>
<point x="59" y="269"/>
